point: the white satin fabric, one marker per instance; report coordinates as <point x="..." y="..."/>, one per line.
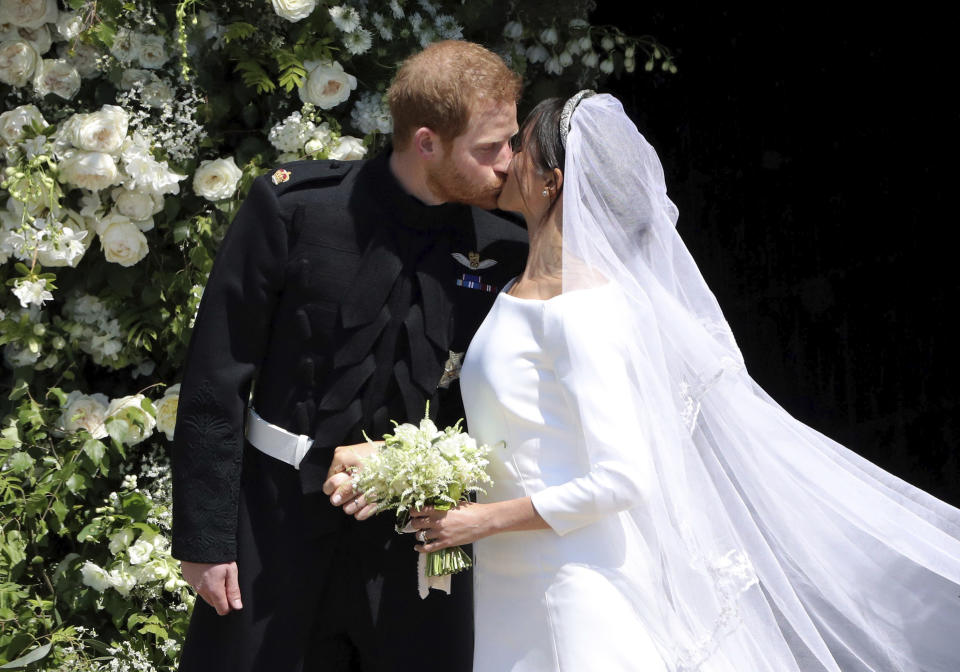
<point x="556" y="599"/>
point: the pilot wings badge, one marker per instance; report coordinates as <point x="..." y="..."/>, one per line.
<point x="472" y="261"/>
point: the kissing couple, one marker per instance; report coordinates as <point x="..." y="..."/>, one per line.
<point x="652" y="508"/>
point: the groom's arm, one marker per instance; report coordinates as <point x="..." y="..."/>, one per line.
<point x="227" y="345"/>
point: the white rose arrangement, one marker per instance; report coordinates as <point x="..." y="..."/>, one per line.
<point x="28" y="13"/>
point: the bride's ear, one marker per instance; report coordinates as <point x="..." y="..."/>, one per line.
<point x="556" y="180"/>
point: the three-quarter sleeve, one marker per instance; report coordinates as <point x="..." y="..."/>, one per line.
<point x="601" y="392"/>
<point x="227" y="345"/>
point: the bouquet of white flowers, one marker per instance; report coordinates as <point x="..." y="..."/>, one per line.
<point x="425" y="466"/>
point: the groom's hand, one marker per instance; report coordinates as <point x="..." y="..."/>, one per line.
<point x="216" y="583"/>
<point x="339" y="483"/>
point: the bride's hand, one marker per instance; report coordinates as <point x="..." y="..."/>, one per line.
<point x="464" y="524"/>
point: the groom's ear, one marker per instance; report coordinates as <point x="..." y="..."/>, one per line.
<point x="426" y="143"/>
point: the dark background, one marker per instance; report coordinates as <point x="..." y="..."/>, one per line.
<point x="812" y="157"/>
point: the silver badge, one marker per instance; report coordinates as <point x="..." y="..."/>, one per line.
<point x="451" y="370"/>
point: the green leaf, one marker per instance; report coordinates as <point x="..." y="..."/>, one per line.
<point x="255" y="77"/>
<point x="157" y="630"/>
<point x="19" y="390"/>
<point x="77" y="483"/>
<point x="238" y="30"/>
<point x="21" y="462"/>
<point x="90" y="531"/>
<point x="38" y="653"/>
<point x="135" y="505"/>
<point x="59" y="394"/>
<point x="64" y="565"/>
<point x="95" y="450"/>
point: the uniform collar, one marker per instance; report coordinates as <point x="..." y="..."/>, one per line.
<point x="409" y="210"/>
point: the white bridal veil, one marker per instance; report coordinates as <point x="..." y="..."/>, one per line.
<point x="774" y="549"/>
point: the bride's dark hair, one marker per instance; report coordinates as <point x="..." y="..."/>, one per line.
<point x="541" y="132"/>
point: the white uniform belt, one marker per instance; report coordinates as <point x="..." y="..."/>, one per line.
<point x="276" y="441"/>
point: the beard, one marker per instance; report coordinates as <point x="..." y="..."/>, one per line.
<point x="449" y="184"/>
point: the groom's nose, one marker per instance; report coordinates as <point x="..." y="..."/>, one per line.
<point x="503" y="159"/>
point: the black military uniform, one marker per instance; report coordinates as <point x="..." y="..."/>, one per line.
<point x="346" y="302"/>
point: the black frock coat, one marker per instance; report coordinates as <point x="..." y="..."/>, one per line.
<point x="341" y="301"/>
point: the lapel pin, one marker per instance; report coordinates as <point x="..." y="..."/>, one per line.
<point x="282" y="175"/>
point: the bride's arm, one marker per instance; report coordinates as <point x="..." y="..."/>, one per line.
<point x="603" y="395"/>
<point x="471" y="521"/>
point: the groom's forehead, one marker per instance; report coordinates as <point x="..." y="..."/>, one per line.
<point x="492" y="120"/>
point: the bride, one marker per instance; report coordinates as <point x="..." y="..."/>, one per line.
<point x="653" y="509"/>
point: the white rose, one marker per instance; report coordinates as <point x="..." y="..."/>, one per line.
<point x="18" y="61"/>
<point x="28" y="13"/>
<point x="120" y="540"/>
<point x="126" y="45"/>
<point x="294" y="10"/>
<point x="58" y="77"/>
<point x="150" y="572"/>
<point x="348" y="148"/>
<point x="167" y="411"/>
<point x="95" y="576"/>
<point x="124" y="411"/>
<point x="69" y="25"/>
<point x="140" y="552"/>
<point x="38" y="37"/>
<point x="157" y="93"/>
<point x="153" y="51"/>
<point x="326" y="85"/>
<point x="101" y="131"/>
<point x="123" y="243"/>
<point x="81" y="55"/>
<point x="89" y="170"/>
<point x="216" y="179"/>
<point x="122" y="581"/>
<point x="85" y="411"/>
<point x="13" y="121"/>
<point x="137" y="204"/>
<point x="132" y="76"/>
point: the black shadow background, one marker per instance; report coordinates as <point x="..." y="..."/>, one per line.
<point x="813" y="159"/>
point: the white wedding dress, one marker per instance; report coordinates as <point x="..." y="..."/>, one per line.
<point x="556" y="599"/>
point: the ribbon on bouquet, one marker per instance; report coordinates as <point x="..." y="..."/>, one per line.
<point x="424" y="582"/>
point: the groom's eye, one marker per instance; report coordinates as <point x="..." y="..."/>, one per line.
<point x="515" y="143"/>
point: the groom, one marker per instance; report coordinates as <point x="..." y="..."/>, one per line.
<point x="345" y="294"/>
